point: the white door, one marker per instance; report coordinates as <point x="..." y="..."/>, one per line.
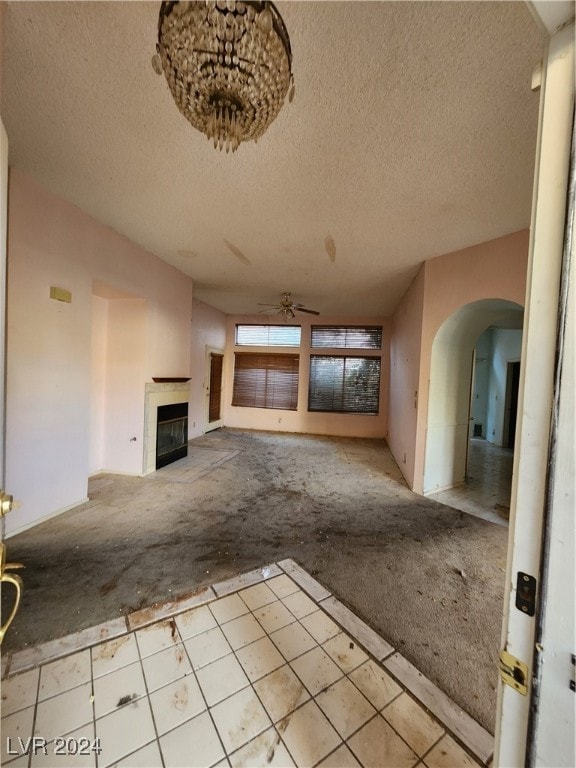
<point x="536" y="706"/>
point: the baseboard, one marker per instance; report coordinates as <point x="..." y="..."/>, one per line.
<point x="45" y="518"/>
<point x="114" y="472"/>
<point x="441" y="488"/>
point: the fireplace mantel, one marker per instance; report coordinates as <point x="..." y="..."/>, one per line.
<point x="156" y="394"/>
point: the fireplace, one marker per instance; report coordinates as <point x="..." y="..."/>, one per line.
<point x="171" y="433"/>
<point x="156" y="396"/>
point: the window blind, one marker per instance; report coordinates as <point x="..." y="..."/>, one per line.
<point x="347" y="337"/>
<point x="268" y="335"/>
<point x="265" y="381"/>
<point x="344" y="384"/>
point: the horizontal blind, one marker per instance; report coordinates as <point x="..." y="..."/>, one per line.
<point x="347" y="336"/>
<point x="341" y="384"/>
<point x="265" y="381"/>
<point x="268" y="335"/>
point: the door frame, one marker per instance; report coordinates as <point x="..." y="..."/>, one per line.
<point x="3" y="280"/>
<point x="470" y="410"/>
<point x="521" y="724"/>
<point x="211" y="425"/>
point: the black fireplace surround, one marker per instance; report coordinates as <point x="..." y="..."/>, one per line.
<point x="171" y="434"/>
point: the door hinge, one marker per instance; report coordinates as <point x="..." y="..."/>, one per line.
<point x="573" y="680"/>
<point x="514" y="672"/>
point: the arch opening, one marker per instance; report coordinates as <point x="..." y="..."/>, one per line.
<point x="456" y="371"/>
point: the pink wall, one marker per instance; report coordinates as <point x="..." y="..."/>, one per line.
<point x="492" y="270"/>
<point x="405" y="376"/>
<point x="59" y="427"/>
<point x="125" y="363"/>
<point x="50" y="389"/>
<point x="98" y="383"/>
<point x="208" y="331"/>
<point x="344" y="424"/>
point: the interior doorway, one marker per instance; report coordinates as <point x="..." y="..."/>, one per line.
<point x="482" y="486"/>
<point x="511" y="404"/>
<point x="215" y="366"/>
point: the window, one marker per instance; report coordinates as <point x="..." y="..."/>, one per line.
<point x="344" y="384"/>
<point x="347" y="337"/>
<point x="265" y="381"/>
<point x="268" y="335"/>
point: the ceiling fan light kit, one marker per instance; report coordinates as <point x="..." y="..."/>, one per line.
<point x="228" y="64"/>
<point x="287" y="308"/>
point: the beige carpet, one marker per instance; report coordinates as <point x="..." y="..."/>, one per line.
<point x="428" y="578"/>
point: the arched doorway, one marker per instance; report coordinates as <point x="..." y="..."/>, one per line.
<point x="451" y="413"/>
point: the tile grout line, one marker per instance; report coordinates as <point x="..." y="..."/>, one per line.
<point x="93" y="702"/>
<point x="204" y="699"/>
<point x="450" y="728"/>
<point x="157" y="739"/>
<point x="313" y="697"/>
<point x="375" y="717"/>
<point x="210" y="598"/>
<point x="260" y="578"/>
<point x="35" y="713"/>
<point x="286" y="663"/>
<point x="250" y="612"/>
<point x="425" y="755"/>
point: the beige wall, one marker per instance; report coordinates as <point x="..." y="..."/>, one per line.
<point x="53" y="381"/>
<point x="344" y="424"/>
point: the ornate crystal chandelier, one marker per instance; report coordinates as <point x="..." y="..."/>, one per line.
<point x="228" y="64"/>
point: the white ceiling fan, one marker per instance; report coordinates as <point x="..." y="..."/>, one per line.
<point x="287" y="307"/>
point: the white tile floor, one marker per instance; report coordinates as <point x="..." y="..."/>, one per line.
<point x="262" y="676"/>
<point x="486" y="492"/>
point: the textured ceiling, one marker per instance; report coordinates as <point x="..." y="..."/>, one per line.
<point x="412" y="134"/>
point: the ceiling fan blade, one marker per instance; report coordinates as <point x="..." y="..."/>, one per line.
<point x="261" y="304"/>
<point x="308" y="311"/>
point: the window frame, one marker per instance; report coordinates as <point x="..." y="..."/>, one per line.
<point x="261" y="387"/>
<point x="375" y="392"/>
<point x="266" y="343"/>
<point x="348" y="332"/>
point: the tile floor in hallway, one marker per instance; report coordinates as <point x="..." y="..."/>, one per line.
<point x="486" y="492"/>
<point x="265" y="669"/>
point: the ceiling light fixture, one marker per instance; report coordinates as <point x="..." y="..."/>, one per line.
<point x="228" y="64"/>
